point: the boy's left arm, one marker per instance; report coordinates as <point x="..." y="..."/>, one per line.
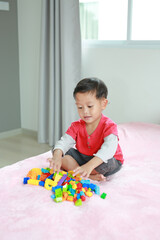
<point x="86" y="169"/>
<point x="106" y="152"/>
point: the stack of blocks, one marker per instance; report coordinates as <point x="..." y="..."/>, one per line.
<point x="64" y="185"/>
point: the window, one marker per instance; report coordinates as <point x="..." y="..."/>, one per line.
<point x="146" y="20"/>
<point x="120" y="20"/>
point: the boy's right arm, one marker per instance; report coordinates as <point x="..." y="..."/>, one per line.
<point x="56" y="160"/>
<point x="62" y="146"/>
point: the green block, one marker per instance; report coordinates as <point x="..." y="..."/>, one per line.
<point x="103" y="195"/>
<point x="58" y="192"/>
<point x="78" y="202"/>
<point x="65" y="188"/>
<point x="48" y="169"/>
<point x="58" y="199"/>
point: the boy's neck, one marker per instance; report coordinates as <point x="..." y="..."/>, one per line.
<point x="91" y="127"/>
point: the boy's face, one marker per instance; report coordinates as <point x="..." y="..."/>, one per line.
<point x="89" y="107"/>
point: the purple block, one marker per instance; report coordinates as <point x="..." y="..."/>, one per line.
<point x="63" y="178"/>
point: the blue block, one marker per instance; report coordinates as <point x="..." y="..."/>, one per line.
<point x="44" y="170"/>
<point x="78" y="196"/>
<point x="41" y="183"/>
<point x="50" y="177"/>
<point x="72" y="191"/>
<point x="53" y="196"/>
<point x="85" y="185"/>
<point x="85" y="181"/>
<point x="56" y="187"/>
<point x="92" y="186"/>
<point x="38" y="177"/>
<point x="82" y="193"/>
<point x="97" y="190"/>
<point x="25" y="180"/>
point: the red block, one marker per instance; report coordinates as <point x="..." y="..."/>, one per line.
<point x="83" y="198"/>
<point x="44" y="176"/>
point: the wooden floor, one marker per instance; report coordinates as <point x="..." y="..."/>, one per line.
<point x="19" y="147"/>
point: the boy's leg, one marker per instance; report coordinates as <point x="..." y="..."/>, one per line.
<point x="109" y="168"/>
<point x="72" y="160"/>
<point x="69" y="163"/>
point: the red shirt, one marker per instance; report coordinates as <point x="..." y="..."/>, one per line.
<point x="90" y="144"/>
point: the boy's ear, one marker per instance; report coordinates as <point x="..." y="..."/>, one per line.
<point x="104" y="103"/>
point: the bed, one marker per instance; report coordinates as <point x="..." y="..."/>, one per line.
<point x="131" y="210"/>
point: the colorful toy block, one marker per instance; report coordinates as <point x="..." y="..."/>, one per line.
<point x="64" y="185"/>
<point x="78" y="202"/>
<point x="25" y="180"/>
<point x="33" y="182"/>
<point x="103" y="195"/>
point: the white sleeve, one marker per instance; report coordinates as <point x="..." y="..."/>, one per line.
<point x="108" y="148"/>
<point x="65" y="143"/>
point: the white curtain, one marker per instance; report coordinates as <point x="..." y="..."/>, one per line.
<point x="59" y="67"/>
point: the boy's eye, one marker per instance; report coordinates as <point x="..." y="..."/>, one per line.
<point x="79" y="107"/>
<point x="90" y="106"/>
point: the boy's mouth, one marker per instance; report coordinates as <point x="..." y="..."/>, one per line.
<point x="87" y="117"/>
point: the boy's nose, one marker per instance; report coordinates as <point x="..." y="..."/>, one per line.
<point x="85" y="110"/>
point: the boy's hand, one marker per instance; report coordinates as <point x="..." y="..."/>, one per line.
<point x="85" y="170"/>
<point x="55" y="164"/>
<point x="56" y="160"/>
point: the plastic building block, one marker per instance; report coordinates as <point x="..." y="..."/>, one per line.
<point x="33" y="182"/>
<point x="49" y="184"/>
<point x="70" y="198"/>
<point x="83" y="198"/>
<point x="41" y="183"/>
<point x="78" y="202"/>
<point x="53" y="196"/>
<point x="89" y="194"/>
<point x="63" y="178"/>
<point x="97" y="190"/>
<point x="58" y="199"/>
<point x="103" y="195"/>
<point x="25" y="180"/>
<point x="64" y="185"/>
<point x="45" y="170"/>
<point x="57" y="178"/>
<point x="37" y="171"/>
<point x="44" y="176"/>
<point x="58" y="192"/>
<point x="38" y="177"/>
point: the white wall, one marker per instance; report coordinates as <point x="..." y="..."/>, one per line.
<point x="133" y="79"/>
<point x="29" y="19"/>
<point x="132" y="75"/>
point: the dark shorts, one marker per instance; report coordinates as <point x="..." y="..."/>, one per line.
<point x="111" y="167"/>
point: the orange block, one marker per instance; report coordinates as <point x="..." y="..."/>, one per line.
<point x="70" y="198"/>
<point x="65" y="195"/>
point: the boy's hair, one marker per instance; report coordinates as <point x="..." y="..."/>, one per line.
<point x="91" y="85"/>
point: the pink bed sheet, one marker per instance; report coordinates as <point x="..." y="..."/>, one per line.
<point x="131" y="210"/>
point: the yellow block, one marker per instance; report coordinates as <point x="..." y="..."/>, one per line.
<point x="71" y="172"/>
<point x="74" y="186"/>
<point x="63" y="172"/>
<point x="33" y="182"/>
<point x="89" y="194"/>
<point x="49" y="184"/>
<point x="57" y="178"/>
<point x="37" y="170"/>
<point x="51" y="171"/>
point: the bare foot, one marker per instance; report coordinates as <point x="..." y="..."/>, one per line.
<point x="97" y="177"/>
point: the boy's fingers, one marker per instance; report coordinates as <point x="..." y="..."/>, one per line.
<point x="49" y="159"/>
<point x="77" y="171"/>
